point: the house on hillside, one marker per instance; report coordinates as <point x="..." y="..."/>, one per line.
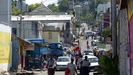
<point x="104" y="14"/>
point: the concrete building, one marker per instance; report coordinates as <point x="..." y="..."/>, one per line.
<point x="5" y="11"/>
<point x="5" y="39"/>
<point x="125" y="37"/>
<point x="5" y="47"/>
<point x="104" y="14"/>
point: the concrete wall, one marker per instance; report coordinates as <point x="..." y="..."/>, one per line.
<point x="5" y="47"/>
<point x="5" y="11"/>
<point x="29" y="29"/>
<point x="123" y="43"/>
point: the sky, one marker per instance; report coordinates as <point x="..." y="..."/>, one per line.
<point x="45" y="2"/>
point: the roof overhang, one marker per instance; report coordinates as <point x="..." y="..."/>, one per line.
<point x="28" y="42"/>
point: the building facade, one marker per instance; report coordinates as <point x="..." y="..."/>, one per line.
<point x="5" y="11"/>
<point x="5" y="47"/>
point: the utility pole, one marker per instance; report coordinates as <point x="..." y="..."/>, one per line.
<point x="114" y="27"/>
<point x="20" y="32"/>
<point x="20" y="26"/>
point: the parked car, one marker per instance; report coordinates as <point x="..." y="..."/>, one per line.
<point x="88" y="52"/>
<point x="62" y="62"/>
<point x="93" y="62"/>
<point x="89" y="33"/>
<point x="96" y="41"/>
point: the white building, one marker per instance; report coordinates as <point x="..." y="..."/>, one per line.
<point x="103" y="7"/>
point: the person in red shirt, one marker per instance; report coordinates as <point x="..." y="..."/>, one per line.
<point x="87" y="42"/>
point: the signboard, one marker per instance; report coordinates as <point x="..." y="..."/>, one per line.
<point x="71" y="5"/>
<point x="108" y="46"/>
<point x="29" y="47"/>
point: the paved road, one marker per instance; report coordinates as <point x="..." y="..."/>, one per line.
<point x="56" y="73"/>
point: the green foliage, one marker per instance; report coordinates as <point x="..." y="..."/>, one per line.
<point x="106" y="32"/>
<point x="15" y="11"/>
<point x="101" y="45"/>
<point x="33" y="6"/>
<point x="108" y="65"/>
<point x="53" y="7"/>
<point x="63" y="5"/>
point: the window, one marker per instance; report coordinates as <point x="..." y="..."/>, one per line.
<point x="14" y="31"/>
<point x="50" y="35"/>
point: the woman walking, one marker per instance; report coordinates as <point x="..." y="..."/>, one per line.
<point x="72" y="68"/>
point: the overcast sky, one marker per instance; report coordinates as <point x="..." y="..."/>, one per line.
<point x="45" y="2"/>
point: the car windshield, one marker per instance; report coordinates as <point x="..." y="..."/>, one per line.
<point x="93" y="60"/>
<point x="63" y="60"/>
<point x="88" y="52"/>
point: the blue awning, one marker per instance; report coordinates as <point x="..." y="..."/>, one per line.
<point x="36" y="40"/>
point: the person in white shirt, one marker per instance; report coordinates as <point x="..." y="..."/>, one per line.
<point x="79" y="65"/>
<point x="72" y="67"/>
<point x="51" y="63"/>
<point x="85" y="66"/>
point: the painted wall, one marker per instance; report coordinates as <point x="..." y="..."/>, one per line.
<point x="55" y="37"/>
<point x="5" y="47"/>
<point x="130" y="26"/>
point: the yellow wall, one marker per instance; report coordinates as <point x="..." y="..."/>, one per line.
<point x="4" y="47"/>
<point x="130" y="9"/>
<point x="49" y="28"/>
<point x="55" y="37"/>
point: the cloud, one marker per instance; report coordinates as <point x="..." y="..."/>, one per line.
<point x="45" y="2"/>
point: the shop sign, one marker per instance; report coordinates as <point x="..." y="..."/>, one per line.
<point x="29" y="47"/>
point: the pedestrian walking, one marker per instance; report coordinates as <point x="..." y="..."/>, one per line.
<point x="76" y="59"/>
<point x="85" y="64"/>
<point x="87" y="42"/>
<point x="72" y="68"/>
<point x="78" y="41"/>
<point x="51" y="65"/>
<point x="79" y="65"/>
<point x="92" y="35"/>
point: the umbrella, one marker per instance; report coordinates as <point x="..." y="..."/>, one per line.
<point x="76" y="48"/>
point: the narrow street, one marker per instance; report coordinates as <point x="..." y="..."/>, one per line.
<point x="83" y="47"/>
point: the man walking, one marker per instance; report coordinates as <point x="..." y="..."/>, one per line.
<point x="51" y="65"/>
<point x="79" y="65"/>
<point x="85" y="64"/>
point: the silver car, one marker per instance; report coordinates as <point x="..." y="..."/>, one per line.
<point x="62" y="62"/>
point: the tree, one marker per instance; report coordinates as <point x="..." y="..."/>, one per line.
<point x="108" y="65"/>
<point x="15" y="11"/>
<point x="106" y="32"/>
<point x="33" y="6"/>
<point x="53" y="7"/>
<point x="63" y="5"/>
